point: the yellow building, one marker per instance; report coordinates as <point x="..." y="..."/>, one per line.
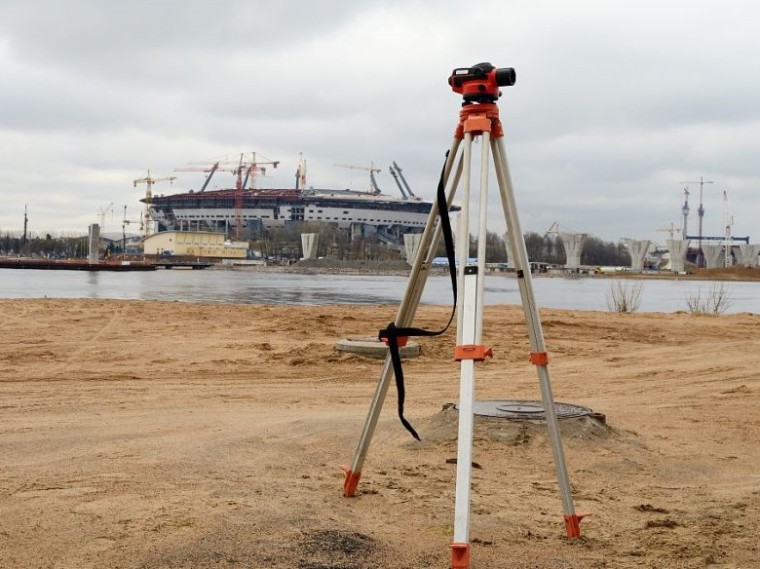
<point x="198" y="244"/>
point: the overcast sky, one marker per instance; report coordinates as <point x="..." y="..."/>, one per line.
<point x="617" y="103"/>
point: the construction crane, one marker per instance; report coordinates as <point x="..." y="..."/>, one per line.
<point x="685" y="211"/>
<point x="406" y="191"/>
<point x="373" y="188"/>
<point x="701" y="209"/>
<point x="124" y="223"/>
<point x="210" y="170"/>
<point x="553" y="229"/>
<point x="245" y="171"/>
<point x="26" y="223"/>
<point x="102" y="216"/>
<point x="729" y="221"/>
<point x="251" y="169"/>
<point x="301" y="173"/>
<point x="149" y="181"/>
<point x="672" y="230"/>
<point x="254" y="168"/>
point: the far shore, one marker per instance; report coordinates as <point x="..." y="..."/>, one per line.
<point x="401" y="268"/>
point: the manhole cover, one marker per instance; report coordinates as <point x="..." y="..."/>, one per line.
<point x="522" y="410"/>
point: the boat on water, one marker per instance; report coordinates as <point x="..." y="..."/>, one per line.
<point x="73" y="265"/>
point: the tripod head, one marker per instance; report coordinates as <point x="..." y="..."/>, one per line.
<point x="480" y="83"/>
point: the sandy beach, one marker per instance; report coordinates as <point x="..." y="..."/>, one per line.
<point x="139" y="434"/>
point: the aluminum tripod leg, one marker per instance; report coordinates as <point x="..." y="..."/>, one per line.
<point x="535" y="332"/>
<point x="469" y="349"/>
<point x="431" y="236"/>
<point x="469" y="331"/>
<point x="472" y="309"/>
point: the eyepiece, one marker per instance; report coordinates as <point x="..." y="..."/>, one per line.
<point x="506" y="76"/>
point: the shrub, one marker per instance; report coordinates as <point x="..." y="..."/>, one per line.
<point x="716" y="301"/>
<point x="624" y="297"/>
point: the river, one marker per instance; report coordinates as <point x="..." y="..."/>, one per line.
<point x="262" y="287"/>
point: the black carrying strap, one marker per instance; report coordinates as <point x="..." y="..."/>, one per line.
<point x="392" y="333"/>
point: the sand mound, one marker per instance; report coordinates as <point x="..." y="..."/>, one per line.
<point x="442" y="427"/>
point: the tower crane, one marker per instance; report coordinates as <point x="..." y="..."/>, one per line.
<point x="301" y="173"/>
<point x="124" y="223"/>
<point x="149" y="181"/>
<point x="254" y="168"/>
<point x="373" y="188"/>
<point x="251" y="169"/>
<point x="672" y="230"/>
<point x="729" y="221"/>
<point x="102" y="216"/>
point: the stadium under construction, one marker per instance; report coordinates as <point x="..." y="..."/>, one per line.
<point x="244" y="212"/>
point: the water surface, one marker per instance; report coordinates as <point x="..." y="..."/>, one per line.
<point x="259" y="287"/>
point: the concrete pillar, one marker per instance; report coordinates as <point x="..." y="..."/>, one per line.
<point x="573" y="243"/>
<point x="712" y="253"/>
<point x="309" y="243"/>
<point x="678" y="249"/>
<point x="638" y="251"/>
<point x="411" y="246"/>
<point x="94" y="244"/>
<point x="748" y="254"/>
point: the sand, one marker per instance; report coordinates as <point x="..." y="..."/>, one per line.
<point x="155" y="434"/>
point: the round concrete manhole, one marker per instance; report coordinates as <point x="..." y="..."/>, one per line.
<point x="522" y="410"/>
<point x="374" y="347"/>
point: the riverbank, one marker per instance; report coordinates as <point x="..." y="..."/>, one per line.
<point x="401" y="268"/>
<point x="736" y="273"/>
<point x="161" y="434"/>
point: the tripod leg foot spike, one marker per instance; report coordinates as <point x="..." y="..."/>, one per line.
<point x="351" y="481"/>
<point x="573" y="524"/>
<point x="460" y="555"/>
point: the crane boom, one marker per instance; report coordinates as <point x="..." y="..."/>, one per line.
<point x="372" y="171"/>
<point x="210" y="170"/>
<point x="400" y="187"/>
<point x="102" y="216"/>
<point x="403" y="180"/>
<point x="149" y="181"/>
<point x="672" y="230"/>
<point x="373" y="182"/>
<point x="354" y="167"/>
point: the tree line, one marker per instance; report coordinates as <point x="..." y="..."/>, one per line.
<point x="285" y="243"/>
<point x="48" y="246"/>
<point x="333" y="242"/>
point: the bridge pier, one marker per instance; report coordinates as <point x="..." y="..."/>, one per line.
<point x="678" y="249"/>
<point x="573" y="243"/>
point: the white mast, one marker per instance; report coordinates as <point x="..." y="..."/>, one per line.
<point x="729" y="221"/>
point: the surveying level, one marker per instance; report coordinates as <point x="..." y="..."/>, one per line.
<point x="480" y="83"/>
<point x="478" y="118"/>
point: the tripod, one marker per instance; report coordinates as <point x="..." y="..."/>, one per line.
<point x="478" y="117"/>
